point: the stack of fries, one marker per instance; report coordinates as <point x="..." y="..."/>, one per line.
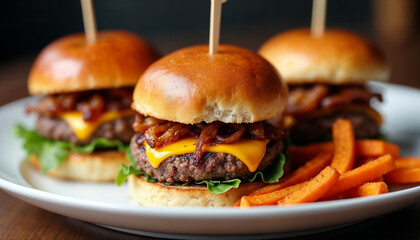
<point x="343" y="168"/>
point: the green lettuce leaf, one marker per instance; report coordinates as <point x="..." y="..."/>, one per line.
<point x="52" y="153"/>
<point x="270" y="175"/>
<point x="213" y="186"/>
<point x="32" y="141"/>
<point x="273" y="174"/>
<point x="99" y="144"/>
<point x="126" y="171"/>
<point x="220" y="186"/>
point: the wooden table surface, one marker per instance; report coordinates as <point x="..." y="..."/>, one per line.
<point x="19" y="220"/>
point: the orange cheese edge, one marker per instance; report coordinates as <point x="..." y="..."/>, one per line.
<point x="249" y="151"/>
<point x="82" y="129"/>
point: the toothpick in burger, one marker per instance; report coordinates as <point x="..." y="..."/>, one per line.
<point x="327" y="77"/>
<point x="84" y="116"/>
<point x="201" y="138"/>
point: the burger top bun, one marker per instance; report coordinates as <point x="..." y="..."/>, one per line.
<point x="190" y="86"/>
<point x="69" y="64"/>
<point x="337" y="57"/>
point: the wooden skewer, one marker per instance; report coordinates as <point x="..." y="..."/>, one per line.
<point x="215" y="16"/>
<point x="319" y="9"/>
<point x="89" y="21"/>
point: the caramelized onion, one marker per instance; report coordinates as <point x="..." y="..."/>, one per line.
<point x="158" y="133"/>
<point x="90" y="103"/>
<point x="93" y="108"/>
<point x="141" y="123"/>
<point x="153" y="133"/>
<point x="296" y="95"/>
<point x="256" y="130"/>
<point x="310" y="101"/>
<point x="207" y="134"/>
<point x="303" y="100"/>
<point x="161" y="135"/>
<point x="68" y="101"/>
<point x="274" y="134"/>
<point x="176" y="131"/>
<point x="140" y="139"/>
<point x="239" y="131"/>
<point x="349" y="95"/>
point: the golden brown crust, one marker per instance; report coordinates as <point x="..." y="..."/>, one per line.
<point x="234" y="85"/>
<point x="337" y="57"/>
<point x="117" y="59"/>
<point x="161" y="195"/>
<point x="94" y="167"/>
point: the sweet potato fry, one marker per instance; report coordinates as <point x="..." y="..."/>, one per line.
<point x="362" y="160"/>
<point x="270" y="198"/>
<point x="344" y="146"/>
<point x="403" y="175"/>
<point x="302" y="154"/>
<point x="364" y="190"/>
<point x="314" y="188"/>
<point x="379" y="179"/>
<point x="367" y="189"/>
<point x="304" y="173"/>
<point x="407" y="162"/>
<point x="368" y="148"/>
<point x="376" y="148"/>
<point x="366" y="172"/>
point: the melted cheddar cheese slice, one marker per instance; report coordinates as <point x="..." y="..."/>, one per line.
<point x="82" y="129"/>
<point x="249" y="151"/>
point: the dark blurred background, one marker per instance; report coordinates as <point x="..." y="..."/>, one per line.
<point x="30" y="25"/>
<point x="27" y="26"/>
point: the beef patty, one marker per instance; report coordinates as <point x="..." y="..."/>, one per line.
<point x="213" y="166"/>
<point x="57" y="129"/>
<point x="317" y="129"/>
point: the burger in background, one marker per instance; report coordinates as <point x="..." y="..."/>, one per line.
<point x="201" y="138"/>
<point x="327" y="78"/>
<point x="84" y="118"/>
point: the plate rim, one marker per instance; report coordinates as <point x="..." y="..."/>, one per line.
<point x="31" y="192"/>
<point x="22" y="189"/>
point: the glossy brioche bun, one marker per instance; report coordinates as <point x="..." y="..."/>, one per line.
<point x="94" y="167"/>
<point x="189" y="86"/>
<point x="116" y="59"/>
<point x="161" y="195"/>
<point x="337" y="57"/>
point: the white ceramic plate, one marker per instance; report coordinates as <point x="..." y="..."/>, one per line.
<point x="109" y="205"/>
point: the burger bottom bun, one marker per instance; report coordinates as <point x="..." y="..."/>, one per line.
<point x="94" y="167"/>
<point x="161" y="195"/>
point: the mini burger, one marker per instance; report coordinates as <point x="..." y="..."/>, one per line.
<point x="84" y="117"/>
<point x="327" y="78"/>
<point x="201" y="133"/>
